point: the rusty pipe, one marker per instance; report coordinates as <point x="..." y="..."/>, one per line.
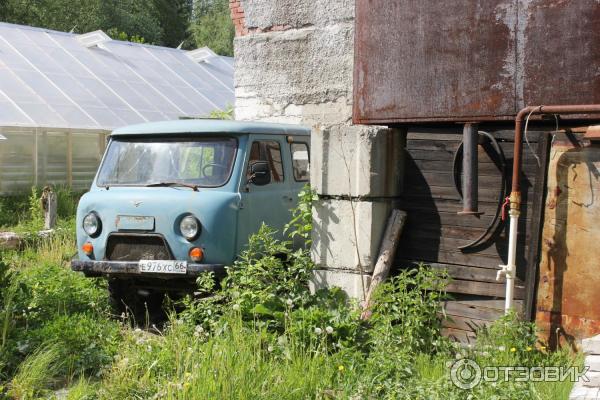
<point x="509" y="270"/>
<point x="538" y="110"/>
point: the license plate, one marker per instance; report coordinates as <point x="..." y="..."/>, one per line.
<point x="163" y="266"/>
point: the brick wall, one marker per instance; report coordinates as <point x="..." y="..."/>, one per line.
<point x="237" y="15"/>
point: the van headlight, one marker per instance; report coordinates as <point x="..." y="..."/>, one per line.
<point x="92" y="224"/>
<point x="189" y="227"/>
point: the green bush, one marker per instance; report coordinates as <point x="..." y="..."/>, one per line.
<point x="23" y="213"/>
<point x="51" y="304"/>
<point x="85" y="342"/>
<point x="47" y="291"/>
<point x="13" y="209"/>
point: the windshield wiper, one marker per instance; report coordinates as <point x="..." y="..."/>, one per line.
<point x="173" y="184"/>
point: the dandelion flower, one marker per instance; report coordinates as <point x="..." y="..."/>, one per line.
<point x="270" y="349"/>
<point x="512" y="349"/>
<point x="318" y="331"/>
<point x="529" y="348"/>
<point x="329" y="330"/>
<point x="290" y="302"/>
<point x="542" y="348"/>
<point x="236" y="307"/>
<point x="341" y="368"/>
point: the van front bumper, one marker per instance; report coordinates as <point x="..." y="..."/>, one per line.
<point x="131" y="268"/>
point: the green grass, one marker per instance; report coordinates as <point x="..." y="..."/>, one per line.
<point x="33" y="375"/>
<point x="262" y="336"/>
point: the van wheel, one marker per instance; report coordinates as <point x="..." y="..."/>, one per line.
<point x="123" y="298"/>
<point x="141" y="309"/>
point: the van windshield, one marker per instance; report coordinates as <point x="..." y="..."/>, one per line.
<point x="203" y="162"/>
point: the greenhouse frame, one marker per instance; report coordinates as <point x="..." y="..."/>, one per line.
<point x="61" y="94"/>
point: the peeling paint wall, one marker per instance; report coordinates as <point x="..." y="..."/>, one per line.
<point x="568" y="299"/>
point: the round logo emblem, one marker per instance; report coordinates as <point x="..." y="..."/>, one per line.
<point x="465" y="373"/>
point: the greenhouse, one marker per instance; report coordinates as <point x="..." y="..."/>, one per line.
<point x="61" y="94"/>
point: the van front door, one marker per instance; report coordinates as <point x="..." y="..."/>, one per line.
<point x="270" y="200"/>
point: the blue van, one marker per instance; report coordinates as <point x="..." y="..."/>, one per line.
<point x="174" y="199"/>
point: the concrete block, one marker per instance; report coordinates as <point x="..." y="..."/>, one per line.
<point x="264" y="14"/>
<point x="250" y="107"/>
<point x="336" y="244"/>
<point x="351" y="283"/>
<point x="593" y="362"/>
<point x="580" y="392"/>
<point x="357" y="161"/>
<point x="591" y="345"/>
<point x="294" y="67"/>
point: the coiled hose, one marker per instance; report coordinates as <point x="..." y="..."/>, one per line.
<point x="502" y="193"/>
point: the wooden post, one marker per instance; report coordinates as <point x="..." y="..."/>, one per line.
<point x="50" y="206"/>
<point x="389" y="244"/>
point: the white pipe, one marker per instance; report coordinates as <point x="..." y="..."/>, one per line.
<point x="511" y="267"/>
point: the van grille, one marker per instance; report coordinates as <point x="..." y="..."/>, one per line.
<point x="137" y="247"/>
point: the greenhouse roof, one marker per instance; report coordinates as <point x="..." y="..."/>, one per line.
<point x="62" y="80"/>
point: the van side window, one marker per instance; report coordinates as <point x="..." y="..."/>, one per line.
<point x="300" y="161"/>
<point x="269" y="151"/>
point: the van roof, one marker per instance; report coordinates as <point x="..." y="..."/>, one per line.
<point x="194" y="126"/>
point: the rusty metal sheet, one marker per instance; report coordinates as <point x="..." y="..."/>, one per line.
<point x="561" y="51"/>
<point x="568" y="299"/>
<point x="465" y="60"/>
<point x="424" y="60"/>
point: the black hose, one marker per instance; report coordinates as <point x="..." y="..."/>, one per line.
<point x="501" y="194"/>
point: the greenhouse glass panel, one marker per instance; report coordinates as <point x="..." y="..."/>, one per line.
<point x="17" y="161"/>
<point x="87" y="153"/>
<point x="52" y="158"/>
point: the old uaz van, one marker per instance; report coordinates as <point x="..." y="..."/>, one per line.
<point x="174" y="199"/>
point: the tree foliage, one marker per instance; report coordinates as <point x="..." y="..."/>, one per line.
<point x="212" y="26"/>
<point x="192" y="23"/>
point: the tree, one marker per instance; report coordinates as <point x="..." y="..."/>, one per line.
<point x="174" y="19"/>
<point x="196" y="23"/>
<point x="135" y="18"/>
<point x="212" y="26"/>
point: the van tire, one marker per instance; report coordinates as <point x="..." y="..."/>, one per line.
<point x="125" y="301"/>
<point x="122" y="297"/>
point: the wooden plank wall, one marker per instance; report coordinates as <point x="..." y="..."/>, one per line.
<point x="434" y="230"/>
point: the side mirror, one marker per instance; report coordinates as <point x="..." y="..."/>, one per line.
<point x="260" y="173"/>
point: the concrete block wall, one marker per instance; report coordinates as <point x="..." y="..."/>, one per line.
<point x="294" y="62"/>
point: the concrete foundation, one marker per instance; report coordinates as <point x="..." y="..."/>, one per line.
<point x="294" y="64"/>
<point x="349" y="282"/>
<point x="347" y="233"/>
